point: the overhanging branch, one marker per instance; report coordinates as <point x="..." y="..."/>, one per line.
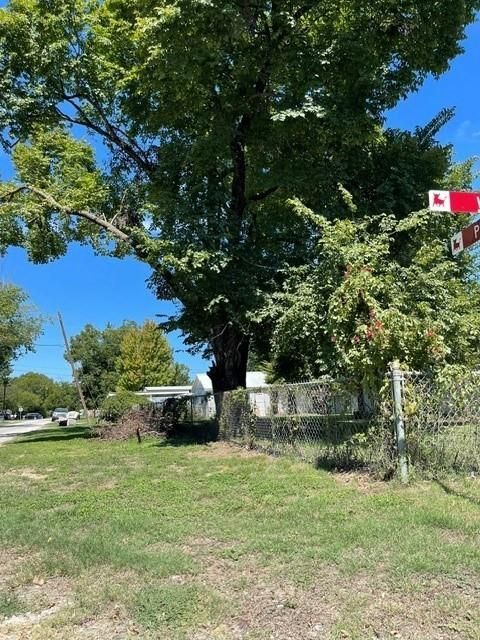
<point x="97" y="219"/>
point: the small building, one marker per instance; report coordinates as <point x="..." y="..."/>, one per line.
<point x="203" y="401"/>
<point x="158" y="395"/>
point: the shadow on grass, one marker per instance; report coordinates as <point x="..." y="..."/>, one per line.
<point x="458" y="494"/>
<point x="54" y="435"/>
<point x="188" y="433"/>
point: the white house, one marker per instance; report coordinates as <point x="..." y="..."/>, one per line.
<point x="203" y="402"/>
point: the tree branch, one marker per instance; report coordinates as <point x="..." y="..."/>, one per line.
<point x="96" y="219"/>
<point x="261" y="195"/>
<point x="110" y="132"/>
<point x="81" y="213"/>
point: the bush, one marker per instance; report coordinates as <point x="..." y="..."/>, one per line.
<point x="114" y="407"/>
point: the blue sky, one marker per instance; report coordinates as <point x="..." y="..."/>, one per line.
<point x="97" y="290"/>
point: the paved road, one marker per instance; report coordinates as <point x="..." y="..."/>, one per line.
<point x="9" y="431"/>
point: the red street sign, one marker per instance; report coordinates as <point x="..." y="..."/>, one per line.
<point x="465" y="238"/>
<point x="454" y="201"/>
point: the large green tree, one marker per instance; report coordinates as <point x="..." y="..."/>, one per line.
<point x="19" y="326"/>
<point x="100" y="357"/>
<point x="145" y="359"/>
<point x="212" y="114"/>
<point x="96" y="352"/>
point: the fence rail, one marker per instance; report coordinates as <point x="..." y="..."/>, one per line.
<point x="414" y="421"/>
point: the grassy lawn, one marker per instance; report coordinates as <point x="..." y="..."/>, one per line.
<point x="119" y="540"/>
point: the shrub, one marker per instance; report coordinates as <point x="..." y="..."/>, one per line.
<point x="114" y="407"/>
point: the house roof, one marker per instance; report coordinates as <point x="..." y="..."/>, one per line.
<point x="155" y="393"/>
<point x="202" y="383"/>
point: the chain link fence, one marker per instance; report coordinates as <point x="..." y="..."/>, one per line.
<point x="332" y="424"/>
<point x="415" y="421"/>
<point x="442" y="421"/>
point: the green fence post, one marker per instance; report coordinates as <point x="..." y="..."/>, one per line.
<point x="399" y="423"/>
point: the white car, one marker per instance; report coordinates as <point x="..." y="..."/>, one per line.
<point x="60" y="415"/>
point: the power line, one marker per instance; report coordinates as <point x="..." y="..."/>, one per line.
<point x="48" y="345"/>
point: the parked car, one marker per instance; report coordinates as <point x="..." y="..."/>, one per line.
<point x="33" y="416"/>
<point x="59" y="413"/>
<point x="6" y="415"/>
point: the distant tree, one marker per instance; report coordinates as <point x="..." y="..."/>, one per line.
<point x="96" y="352"/>
<point x="146" y="359"/>
<point x="63" y="394"/>
<point x="19" y="327"/>
<point x="181" y="375"/>
<point x="37" y="392"/>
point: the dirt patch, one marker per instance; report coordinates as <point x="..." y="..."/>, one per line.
<point x="42" y="599"/>
<point x="27" y="619"/>
<point x="12" y="564"/>
<point x="30" y="474"/>
<point x="43" y="593"/>
<point x="52" y="628"/>
<point x="113" y="625"/>
<point x="268" y="606"/>
<point x="225" y="450"/>
<point x="56" y="609"/>
<point x="338" y="607"/>
<point x="362" y="482"/>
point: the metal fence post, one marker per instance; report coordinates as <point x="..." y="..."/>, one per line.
<point x="397" y="393"/>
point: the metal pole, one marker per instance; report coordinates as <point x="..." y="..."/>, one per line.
<point x="5" y="383"/>
<point x="397" y="392"/>
<point x="74" y="371"/>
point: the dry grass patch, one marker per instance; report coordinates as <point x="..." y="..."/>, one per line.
<point x="362" y="482"/>
<point x="29" y="474"/>
<point x="41" y="599"/>
<point x="358" y="607"/>
<point x="221" y="450"/>
<point x="9" y="565"/>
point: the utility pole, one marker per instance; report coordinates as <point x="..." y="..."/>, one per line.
<point x="74" y="371"/>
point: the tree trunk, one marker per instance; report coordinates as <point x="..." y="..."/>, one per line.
<point x="229" y="371"/>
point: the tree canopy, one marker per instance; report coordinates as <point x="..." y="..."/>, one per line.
<point x="96" y="352"/>
<point x="19" y="326"/>
<point x="213" y="115"/>
<point x="129" y="357"/>
<point x="37" y="392"/>
<point x="363" y="305"/>
<point x="145" y="359"/>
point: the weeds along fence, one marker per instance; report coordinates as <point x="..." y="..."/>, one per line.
<point x="415" y="422"/>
